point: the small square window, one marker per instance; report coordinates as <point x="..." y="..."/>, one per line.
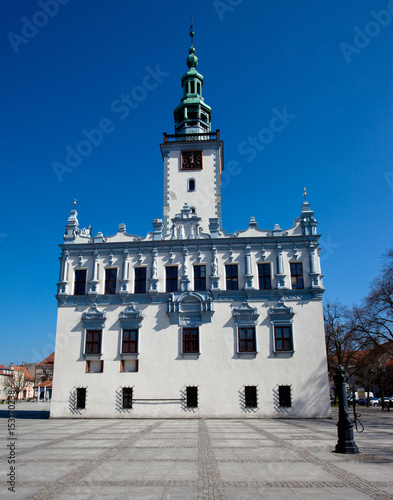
<point x="284" y="395"/>
<point x="171" y="279"/>
<point x="127" y="397"/>
<point x="190" y="340"/>
<point x="192" y="397"/>
<point x="130" y="341"/>
<point x="81" y="398"/>
<point x="93" y="342"/>
<point x="80" y="282"/>
<point x="232" y="281"/>
<point x="140" y="280"/>
<point x="283" y="338"/>
<point x="110" y="281"/>
<point x="251" y="396"/>
<point x="200" y="278"/>
<point x="247" y="339"/>
<point x="265" y="280"/>
<point x="297" y="275"/>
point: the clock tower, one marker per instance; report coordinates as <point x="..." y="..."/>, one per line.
<point x="193" y="157"/>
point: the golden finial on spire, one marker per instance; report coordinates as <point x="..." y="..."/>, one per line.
<point x="305" y="193"/>
<point x="74" y="202"/>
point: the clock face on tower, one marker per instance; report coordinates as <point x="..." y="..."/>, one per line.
<point x="191" y="160"/>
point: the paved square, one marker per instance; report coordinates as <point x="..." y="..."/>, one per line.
<point x="197" y="459"/>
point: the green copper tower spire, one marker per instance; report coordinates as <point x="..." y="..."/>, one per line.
<point x="192" y="115"/>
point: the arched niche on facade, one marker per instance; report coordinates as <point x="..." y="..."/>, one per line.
<point x="190" y="308"/>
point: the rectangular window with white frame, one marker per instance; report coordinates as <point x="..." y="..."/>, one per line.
<point x="264" y="276"/>
<point x="246" y="339"/>
<point x="110" y="281"/>
<point x="93" y="341"/>
<point x="297" y="280"/>
<point x="283" y="338"/>
<point x="200" y="277"/>
<point x="129" y="342"/>
<point x="140" y="280"/>
<point x="190" y="341"/>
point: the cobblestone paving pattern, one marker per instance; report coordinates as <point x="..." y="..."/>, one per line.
<point x="242" y="459"/>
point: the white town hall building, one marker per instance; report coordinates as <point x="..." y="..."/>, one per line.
<point x="189" y="321"/>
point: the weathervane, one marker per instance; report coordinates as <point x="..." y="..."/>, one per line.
<point x="192" y="32"/>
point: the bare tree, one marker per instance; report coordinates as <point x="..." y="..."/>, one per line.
<point x="16" y="383"/>
<point x="342" y="342"/>
<point x="374" y="319"/>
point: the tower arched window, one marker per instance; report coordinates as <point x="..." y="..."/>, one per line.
<point x="191" y="184"/>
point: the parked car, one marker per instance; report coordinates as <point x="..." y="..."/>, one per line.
<point x="386" y="401"/>
<point x="374" y="401"/>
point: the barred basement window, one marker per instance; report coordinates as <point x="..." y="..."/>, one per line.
<point x="284" y="395"/>
<point x="251" y="397"/>
<point x="127" y="397"/>
<point x="81" y="398"/>
<point x="192" y="397"/>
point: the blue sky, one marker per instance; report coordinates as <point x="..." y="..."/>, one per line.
<point x="258" y="58"/>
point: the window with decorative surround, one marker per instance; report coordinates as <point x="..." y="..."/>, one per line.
<point x="232" y="281"/>
<point x="80" y="282"/>
<point x="200" y="278"/>
<point x="264" y="276"/>
<point x="297" y="281"/>
<point x="140" y="280"/>
<point x="110" y="281"/>
<point x="171" y="279"/>
<point x="281" y="318"/>
<point x="245" y="318"/>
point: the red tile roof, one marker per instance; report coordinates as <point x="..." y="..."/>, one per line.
<point x="47" y="383"/>
<point x="4" y="371"/>
<point x="48" y="360"/>
<point x="27" y="375"/>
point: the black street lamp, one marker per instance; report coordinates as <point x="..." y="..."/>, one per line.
<point x="345" y="443"/>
